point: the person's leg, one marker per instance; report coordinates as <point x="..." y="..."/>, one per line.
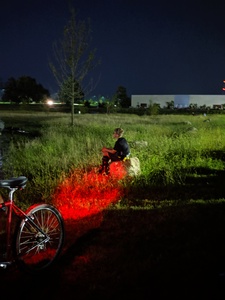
<point x="107" y="156"/>
<point x="105" y="163"/>
<point x="104" y="168"/>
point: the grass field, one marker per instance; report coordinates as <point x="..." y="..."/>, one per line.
<point x="156" y="235"/>
<point x="183" y="159"/>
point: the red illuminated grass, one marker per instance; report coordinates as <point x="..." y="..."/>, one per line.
<point x="35" y="257"/>
<point x="83" y="194"/>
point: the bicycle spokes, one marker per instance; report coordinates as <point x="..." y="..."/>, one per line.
<point x="39" y="238"/>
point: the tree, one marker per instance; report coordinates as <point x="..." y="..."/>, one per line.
<point x="153" y="108"/>
<point x="10" y="91"/>
<point x="121" y="97"/>
<point x="24" y="90"/>
<point x="73" y="60"/>
<point x="65" y="92"/>
<point x="170" y="104"/>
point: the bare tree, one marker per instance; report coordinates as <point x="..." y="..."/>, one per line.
<point x="74" y="60"/>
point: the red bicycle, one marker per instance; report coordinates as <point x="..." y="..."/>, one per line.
<point x="33" y="238"/>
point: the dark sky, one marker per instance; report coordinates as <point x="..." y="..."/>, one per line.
<point x="149" y="47"/>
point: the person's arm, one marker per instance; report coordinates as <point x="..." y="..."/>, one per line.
<point x="110" y="150"/>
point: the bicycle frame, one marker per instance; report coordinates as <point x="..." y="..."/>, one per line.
<point x="38" y="237"/>
<point x="20" y="213"/>
<point x="10" y="207"/>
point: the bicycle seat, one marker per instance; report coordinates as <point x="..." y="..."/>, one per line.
<point x="14" y="182"/>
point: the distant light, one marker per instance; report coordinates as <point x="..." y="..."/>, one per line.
<point x="50" y="102"/>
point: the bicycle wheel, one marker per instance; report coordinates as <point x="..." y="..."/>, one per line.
<point x="39" y="242"/>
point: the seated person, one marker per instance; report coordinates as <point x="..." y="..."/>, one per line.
<point x="120" y="151"/>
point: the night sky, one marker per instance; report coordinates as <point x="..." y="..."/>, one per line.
<point x="149" y="47"/>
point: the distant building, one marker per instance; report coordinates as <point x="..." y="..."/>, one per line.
<point x="180" y="101"/>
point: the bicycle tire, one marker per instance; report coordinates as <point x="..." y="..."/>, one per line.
<point x="33" y="251"/>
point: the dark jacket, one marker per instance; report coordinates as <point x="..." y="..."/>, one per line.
<point x="122" y="147"/>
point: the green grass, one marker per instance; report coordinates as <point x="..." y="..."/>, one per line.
<point x="164" y="236"/>
<point x="183" y="152"/>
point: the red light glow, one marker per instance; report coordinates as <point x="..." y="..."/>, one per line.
<point x="85" y="194"/>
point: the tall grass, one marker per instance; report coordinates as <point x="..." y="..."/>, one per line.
<point x="167" y="229"/>
<point x="178" y="147"/>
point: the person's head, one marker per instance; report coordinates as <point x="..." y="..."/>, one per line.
<point x="118" y="132"/>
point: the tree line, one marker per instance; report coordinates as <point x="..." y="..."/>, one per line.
<point x="72" y="61"/>
<point x="25" y="90"/>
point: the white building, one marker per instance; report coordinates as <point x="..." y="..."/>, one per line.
<point x="180" y="101"/>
